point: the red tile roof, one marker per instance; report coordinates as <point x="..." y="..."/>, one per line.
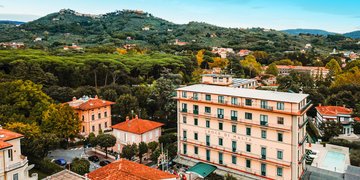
<point x="333" y="110"/>
<point x="137" y="126"/>
<point x="7" y="135"/>
<point x="123" y="169"/>
<point x="357" y="119"/>
<point x="89" y="103"/>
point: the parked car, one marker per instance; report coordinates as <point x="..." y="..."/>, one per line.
<point x="104" y="162"/>
<point x="60" y="162"/>
<point x="94" y="158"/>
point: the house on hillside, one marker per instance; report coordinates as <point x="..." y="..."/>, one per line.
<point x="94" y="114"/>
<point x="244" y="52"/>
<point x="72" y="47"/>
<point x="222" y="52"/>
<point x="335" y="113"/>
<point x="180" y="43"/>
<point x="146" y="28"/>
<point x="135" y="131"/>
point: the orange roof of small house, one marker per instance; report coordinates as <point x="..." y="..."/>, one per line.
<point x="123" y="169"/>
<point x="86" y="103"/>
<point x="357" y="119"/>
<point x="7" y="135"/>
<point x="137" y="126"/>
<point x="333" y="110"/>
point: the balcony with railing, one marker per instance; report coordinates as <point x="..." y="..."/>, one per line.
<point x="264" y="123"/>
<point x="22" y="162"/>
<point x="234" y="118"/>
<point x="196" y="112"/>
<point x="220" y="116"/>
<point x="183" y="110"/>
<point x="269" y="108"/>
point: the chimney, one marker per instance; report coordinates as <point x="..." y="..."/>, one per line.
<point x="344" y="106"/>
<point x="319" y="105"/>
<point x="0" y="126"/>
<point x="127" y="118"/>
<point x="96" y="96"/>
<point x="74" y="98"/>
<point x="136" y="116"/>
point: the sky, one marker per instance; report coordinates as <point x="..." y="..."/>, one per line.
<point x="332" y="15"/>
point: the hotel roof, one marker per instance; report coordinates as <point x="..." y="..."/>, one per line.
<point x="86" y="103"/>
<point x="246" y="93"/>
<point x="128" y="170"/>
<point x="333" y="110"/>
<point x="137" y="126"/>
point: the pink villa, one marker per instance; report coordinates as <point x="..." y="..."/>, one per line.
<point x="94" y="114"/>
<point x="252" y="134"/>
<point x="135" y="131"/>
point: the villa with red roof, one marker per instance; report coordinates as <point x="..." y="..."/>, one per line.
<point x="135" y="131"/>
<point x="94" y="114"/>
<point x="123" y="169"/>
<point x="13" y="165"/>
<point x="335" y="113"/>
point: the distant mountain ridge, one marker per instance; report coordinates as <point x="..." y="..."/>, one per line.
<point x="11" y="22"/>
<point x="308" y="31"/>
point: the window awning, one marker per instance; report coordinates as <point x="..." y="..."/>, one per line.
<point x="202" y="169"/>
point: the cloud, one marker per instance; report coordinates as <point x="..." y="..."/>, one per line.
<point x="1" y="6"/>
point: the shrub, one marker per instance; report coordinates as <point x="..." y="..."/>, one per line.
<point x="46" y="166"/>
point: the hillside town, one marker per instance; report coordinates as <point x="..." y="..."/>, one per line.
<point x="126" y="95"/>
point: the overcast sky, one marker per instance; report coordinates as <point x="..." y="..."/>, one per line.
<point x="331" y="15"/>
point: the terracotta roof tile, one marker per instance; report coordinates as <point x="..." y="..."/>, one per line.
<point x="86" y="103"/>
<point x="137" y="126"/>
<point x="123" y="169"/>
<point x="4" y="145"/>
<point x="7" y="135"/>
<point x="333" y="110"/>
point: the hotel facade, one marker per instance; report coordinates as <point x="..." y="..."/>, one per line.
<point x="253" y="134"/>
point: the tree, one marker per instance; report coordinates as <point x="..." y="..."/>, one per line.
<point x="105" y="141"/>
<point x="284" y="62"/>
<point x="167" y="139"/>
<point x="80" y="166"/>
<point x="109" y="94"/>
<point x="229" y="177"/>
<point x="252" y="65"/>
<point x="330" y="129"/>
<point x="92" y="139"/>
<point x="126" y="104"/>
<point x="143" y="148"/>
<point x="334" y="66"/>
<point x="351" y="77"/>
<point x="129" y="151"/>
<point x="152" y="145"/>
<point x="155" y="155"/>
<point x="61" y="120"/>
<point x="356" y="127"/>
<point x="272" y="69"/>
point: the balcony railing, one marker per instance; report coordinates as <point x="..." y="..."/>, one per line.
<point x="270" y="108"/>
<point x="264" y="123"/>
<point x="234" y="118"/>
<point x="303" y="140"/>
<point x="220" y="116"/>
<point x="183" y="110"/>
<point x="196" y="111"/>
<point x="304" y="123"/>
<point x="263" y="156"/>
<point x="207" y="143"/>
<point x="18" y="164"/>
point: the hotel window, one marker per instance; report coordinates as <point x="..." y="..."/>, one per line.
<point x="220" y="141"/>
<point x="248" y="102"/>
<point x="263" y="152"/>
<point x="207" y="123"/>
<point x="233" y="128"/>
<point x="208" y="110"/>
<point x="233" y="159"/>
<point x="248" y="147"/>
<point x="264" y="104"/>
<point x="184" y="94"/>
<point x="220" y="113"/>
<point x="234" y="101"/>
<point x="105" y="124"/>
<point x="207" y="140"/>
<point x="105" y="114"/>
<point x="83" y="129"/>
<point x="263" y="120"/>
<point x="221" y="79"/>
<point x="248" y="116"/>
<point x="16" y="176"/>
<point x="263" y="134"/>
<point x="220" y="158"/>
<point x="83" y="117"/>
<point x="280" y="137"/>
<point x="221" y="99"/>
<point x="233" y="145"/>
<point x="208" y="155"/>
<point x="99" y="127"/>
<point x="93" y="128"/>
<point x="156" y="133"/>
<point x="279" y="171"/>
<point x="196" y="136"/>
<point x="184" y="119"/>
<point x="185" y="135"/>
<point x="185" y="148"/>
<point x="280" y="106"/>
<point x="99" y="115"/>
<point x="263" y="169"/>
<point x="214" y="79"/>
<point x="248" y="131"/>
<point x="196" y="150"/>
<point x="93" y="117"/>
<point x="280" y="120"/>
<point x="10" y="154"/>
<point x="220" y="126"/>
<point x="195" y="96"/>
<point x="280" y="154"/>
<point x="184" y="107"/>
<point x="208" y="97"/>
<point x="234" y="115"/>
<point x="195" y="109"/>
<point x="195" y="121"/>
<point x="248" y="163"/>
